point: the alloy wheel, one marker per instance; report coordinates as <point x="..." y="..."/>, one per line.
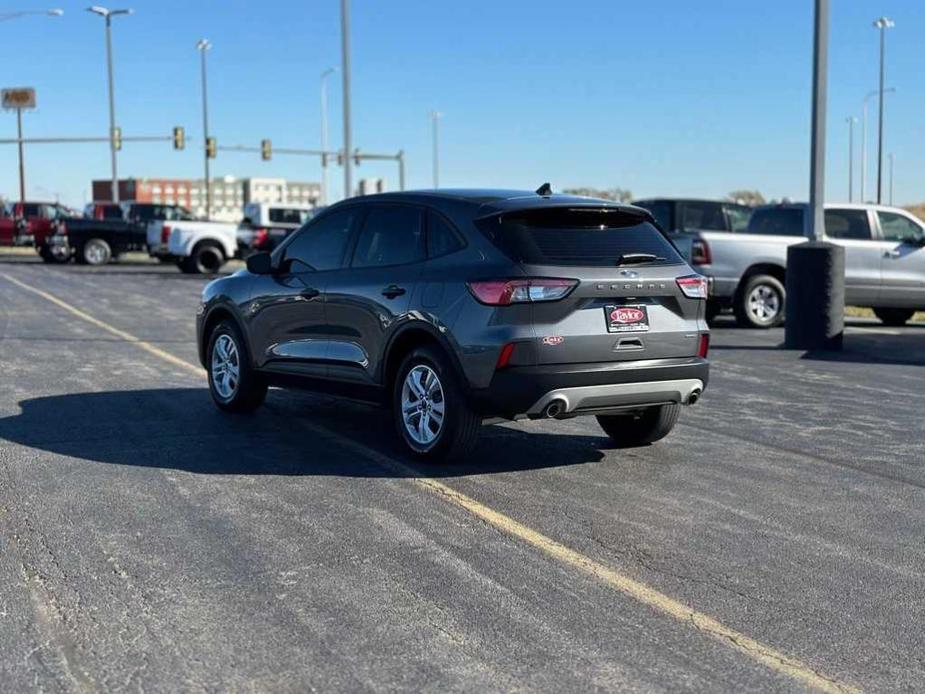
<point x="764" y="304"/>
<point x="422" y="405"/>
<point x="226" y="367"/>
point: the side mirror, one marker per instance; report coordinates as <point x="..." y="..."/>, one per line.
<point x="260" y="264"/>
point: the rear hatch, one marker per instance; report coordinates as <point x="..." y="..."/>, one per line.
<point x="626" y="303"/>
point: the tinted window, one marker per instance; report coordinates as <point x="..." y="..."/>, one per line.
<point x="661" y="211"/>
<point x="441" y="238"/>
<point x="704" y="215"/>
<point x="897" y="227"/>
<point x="285" y="215"/>
<point x="738" y="217"/>
<point x="320" y="245"/>
<point x="776" y="221"/>
<point x="847" y="224"/>
<point x="392" y="235"/>
<point x="30" y="210"/>
<point x="582" y="237"/>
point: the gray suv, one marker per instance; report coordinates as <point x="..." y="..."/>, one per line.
<point x="454" y="307"/>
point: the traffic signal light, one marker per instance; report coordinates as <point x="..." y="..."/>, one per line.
<point x="179" y="137"/>
<point x="356" y="156"/>
<point x="340" y="158"/>
<point x="117" y="138"/>
<point x="211" y="147"/>
<point x="266" y="150"/>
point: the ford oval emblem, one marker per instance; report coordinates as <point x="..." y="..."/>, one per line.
<point x="629" y="273"/>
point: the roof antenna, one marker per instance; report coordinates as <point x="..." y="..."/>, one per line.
<point x="545" y="190"/>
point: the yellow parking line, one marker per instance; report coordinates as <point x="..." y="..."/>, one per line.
<point x="766" y="655"/>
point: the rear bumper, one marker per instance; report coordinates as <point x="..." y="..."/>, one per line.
<point x="592" y="388"/>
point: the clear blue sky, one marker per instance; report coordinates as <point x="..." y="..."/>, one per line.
<point x="665" y="98"/>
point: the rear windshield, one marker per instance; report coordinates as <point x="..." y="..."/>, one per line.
<point x="580" y="237"/>
<point x="776" y="221"/>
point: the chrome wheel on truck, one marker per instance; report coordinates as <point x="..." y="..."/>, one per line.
<point x="760" y="302"/>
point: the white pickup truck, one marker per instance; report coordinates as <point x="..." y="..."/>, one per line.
<point x="196" y="247"/>
<point x="884" y="261"/>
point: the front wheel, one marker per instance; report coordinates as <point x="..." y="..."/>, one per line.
<point x="233" y="383"/>
<point x="760" y="302"/>
<point x="55" y="254"/>
<point x="430" y="411"/>
<point x="642" y="428"/>
<point x="894" y="317"/>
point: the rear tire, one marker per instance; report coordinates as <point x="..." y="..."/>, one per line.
<point x="431" y="415"/>
<point x="649" y="426"/>
<point x="894" y="317"/>
<point x="233" y="383"/>
<point x="760" y="302"/>
<point x="207" y="259"/>
<point x="53" y="258"/>
<point x="96" y="252"/>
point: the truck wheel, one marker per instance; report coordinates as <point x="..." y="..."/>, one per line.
<point x="430" y="412"/>
<point x="96" y="252"/>
<point x="648" y="426"/>
<point x="54" y="255"/>
<point x="894" y="317"/>
<point x="233" y="383"/>
<point x="760" y="302"/>
<point x="207" y="259"/>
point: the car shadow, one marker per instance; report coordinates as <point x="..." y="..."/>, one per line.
<point x="293" y="434"/>
<point x="907" y="349"/>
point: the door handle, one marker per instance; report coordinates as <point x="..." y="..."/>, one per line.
<point x="392" y="291"/>
<point x="892" y="254"/>
<point x="309" y="293"/>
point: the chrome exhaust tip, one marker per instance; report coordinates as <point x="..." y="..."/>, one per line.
<point x="555" y="408"/>
<point x="694" y="396"/>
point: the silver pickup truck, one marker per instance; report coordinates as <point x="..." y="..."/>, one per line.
<point x="884" y="261"/>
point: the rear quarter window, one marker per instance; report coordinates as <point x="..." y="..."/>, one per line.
<point x="577" y="237"/>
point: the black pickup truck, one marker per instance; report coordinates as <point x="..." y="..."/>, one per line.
<point x="97" y="241"/>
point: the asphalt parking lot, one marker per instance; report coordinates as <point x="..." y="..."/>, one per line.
<point x="775" y="541"/>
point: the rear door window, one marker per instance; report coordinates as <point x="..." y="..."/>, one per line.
<point x="776" y="221"/>
<point x="847" y="224"/>
<point x="391" y="235"/>
<point x="582" y="237"/>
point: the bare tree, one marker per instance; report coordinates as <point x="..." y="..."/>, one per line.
<point x="618" y="194"/>
<point x="751" y="198"/>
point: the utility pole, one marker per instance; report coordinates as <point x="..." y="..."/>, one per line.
<point x="324" y="133"/>
<point x="816" y="268"/>
<point x="883" y="23"/>
<point x="22" y="166"/>
<point x="107" y="15"/>
<point x="435" y="117"/>
<point x="851" y="120"/>
<point x="890" y="157"/>
<point x="202" y="46"/>
<point x="345" y="74"/>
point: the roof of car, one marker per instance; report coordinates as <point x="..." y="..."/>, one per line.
<point x="491" y="201"/>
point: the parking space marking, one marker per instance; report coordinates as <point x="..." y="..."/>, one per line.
<point x="637" y="590"/>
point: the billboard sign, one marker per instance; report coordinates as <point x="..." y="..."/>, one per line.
<point x="19" y="97"/>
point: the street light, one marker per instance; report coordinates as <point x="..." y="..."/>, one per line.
<point x="435" y="117"/>
<point x="345" y="74"/>
<point x="55" y="12"/>
<point x="867" y="98"/>
<point x="324" y="133"/>
<point x="108" y="14"/>
<point x="203" y="45"/>
<point x="851" y="120"/>
<point x="882" y="24"/>
<point x="890" y="157"/>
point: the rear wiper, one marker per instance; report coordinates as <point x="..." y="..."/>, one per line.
<point x="633" y="258"/>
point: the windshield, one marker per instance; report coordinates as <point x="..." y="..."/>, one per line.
<point x="579" y="237"/>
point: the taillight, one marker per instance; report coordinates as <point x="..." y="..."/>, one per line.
<point x="506" y="292"/>
<point x="704" y="345"/>
<point x="165" y="234"/>
<point x="693" y="286"/>
<point x="504" y="357"/>
<point x="261" y="238"/>
<point x="700" y="253"/>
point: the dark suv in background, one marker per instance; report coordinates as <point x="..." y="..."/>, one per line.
<point x="455" y="307"/>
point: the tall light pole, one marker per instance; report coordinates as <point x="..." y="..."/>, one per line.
<point x="868" y="97"/>
<point x="6" y="16"/>
<point x="816" y="269"/>
<point x="435" y="117"/>
<point x="882" y="24"/>
<point x="324" y="133"/>
<point x="851" y="120"/>
<point x="108" y="14"/>
<point x="345" y="74"/>
<point x="203" y="45"/>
